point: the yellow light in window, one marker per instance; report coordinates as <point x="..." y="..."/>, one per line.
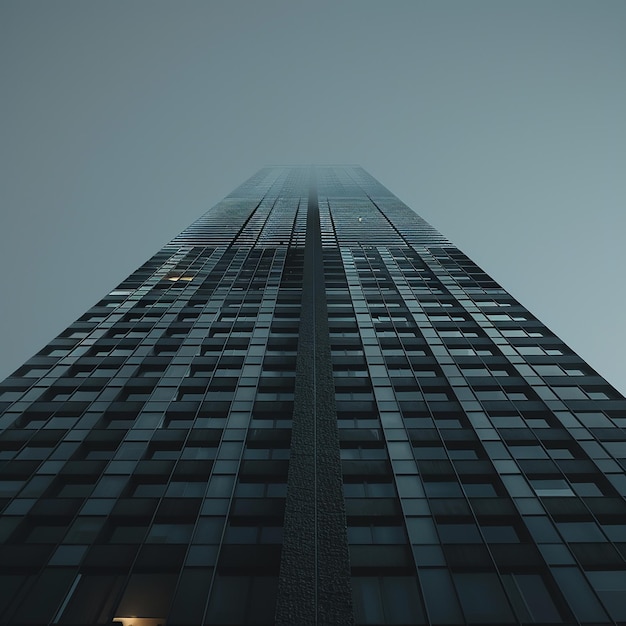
<point x="176" y="278"/>
<point x="140" y="621"/>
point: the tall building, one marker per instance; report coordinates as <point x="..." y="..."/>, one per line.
<point x="311" y="408"/>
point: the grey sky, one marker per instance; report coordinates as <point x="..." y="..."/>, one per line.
<point x="501" y="123"/>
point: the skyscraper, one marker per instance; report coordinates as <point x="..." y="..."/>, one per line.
<point x="311" y="408"/>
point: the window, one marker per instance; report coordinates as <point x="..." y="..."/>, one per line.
<point x="261" y="490"/>
<point x="369" y="490"/>
<point x="360" y="453"/>
<point x="480" y="489"/>
<point x="459" y="533"/>
<point x="388" y="600"/>
<point x="549" y="370"/>
<point x="473" y="588"/>
<point x="528" y="452"/>
<point x="239" y="534"/>
<point x="148" y="490"/>
<point x="574" y="532"/>
<point x="442" y="489"/>
<point x="545" y="487"/>
<point x="376" y="535"/>
<point x="242" y="600"/>
<point x="170" y="533"/>
<point x="490" y="394"/>
<point x="146" y="595"/>
<point x="611" y="587"/>
<point x="531" y="598"/>
<point x="500" y="534"/>
<point x="570" y="393"/>
<point x="475" y="371"/>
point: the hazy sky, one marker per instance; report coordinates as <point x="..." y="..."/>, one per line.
<point x="502" y="123"/>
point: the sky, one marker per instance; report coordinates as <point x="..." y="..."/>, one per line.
<point x="501" y="123"/>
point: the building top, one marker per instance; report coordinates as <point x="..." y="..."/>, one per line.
<point x="268" y="209"/>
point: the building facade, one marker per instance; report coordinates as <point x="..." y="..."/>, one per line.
<point x="311" y="408"/>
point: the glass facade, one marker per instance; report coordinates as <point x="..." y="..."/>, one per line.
<point x="311" y="408"/>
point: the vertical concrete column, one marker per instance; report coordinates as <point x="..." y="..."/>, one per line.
<point x="314" y="584"/>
